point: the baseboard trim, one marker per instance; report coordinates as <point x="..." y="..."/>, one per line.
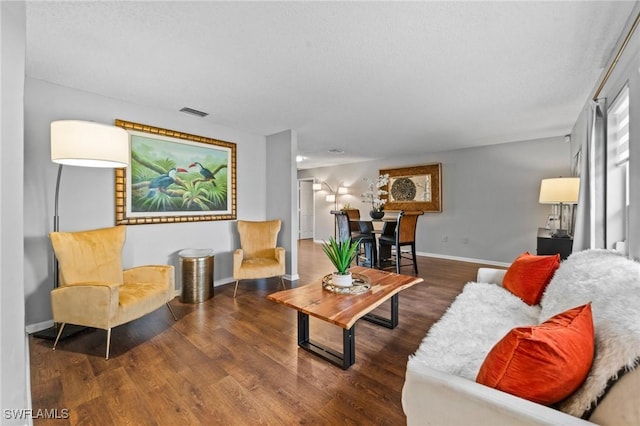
<point x="34" y="328"/>
<point x="463" y="259"/>
<point x="294" y="277"/>
<point x="223" y="281"/>
<point x="39" y="326"/>
<point x="449" y="257"/>
<point x="229" y="280"/>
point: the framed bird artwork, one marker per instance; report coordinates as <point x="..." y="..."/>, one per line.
<point x="175" y="177"/>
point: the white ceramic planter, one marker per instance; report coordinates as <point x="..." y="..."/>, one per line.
<point x="342" y="280"/>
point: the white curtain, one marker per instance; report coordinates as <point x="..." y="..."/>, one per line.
<point x="590" y="217"/>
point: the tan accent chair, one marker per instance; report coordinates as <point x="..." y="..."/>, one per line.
<point x="94" y="290"/>
<point x="259" y="257"/>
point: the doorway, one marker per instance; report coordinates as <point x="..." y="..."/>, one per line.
<point x="305" y="208"/>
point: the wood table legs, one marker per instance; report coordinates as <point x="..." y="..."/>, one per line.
<point x="391" y="322"/>
<point x="348" y="356"/>
<point x="344" y="360"/>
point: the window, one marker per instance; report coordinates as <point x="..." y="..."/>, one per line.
<point x="617" y="203"/>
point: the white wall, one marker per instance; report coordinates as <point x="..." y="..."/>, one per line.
<point x="282" y="193"/>
<point x="87" y="195"/>
<point x="14" y="357"/>
<point x="489" y="194"/>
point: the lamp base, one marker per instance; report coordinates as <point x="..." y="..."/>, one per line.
<point x="561" y="233"/>
<point x="52" y="332"/>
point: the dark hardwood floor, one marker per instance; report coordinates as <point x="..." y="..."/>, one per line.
<point x="236" y="361"/>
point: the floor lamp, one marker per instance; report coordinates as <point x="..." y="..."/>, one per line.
<point x="84" y="144"/>
<point x="332" y="197"/>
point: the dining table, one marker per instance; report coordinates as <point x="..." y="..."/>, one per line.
<point x="369" y="227"/>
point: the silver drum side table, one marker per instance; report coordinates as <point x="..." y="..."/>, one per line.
<point x="196" y="267"/>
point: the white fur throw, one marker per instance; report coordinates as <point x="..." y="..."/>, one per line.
<point x="479" y="317"/>
<point x="612" y="284"/>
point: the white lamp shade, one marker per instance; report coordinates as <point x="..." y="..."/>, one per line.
<point x="560" y="190"/>
<point x="88" y="144"/>
<point x="343" y="190"/>
<point x="331" y="198"/>
<point x="317" y="186"/>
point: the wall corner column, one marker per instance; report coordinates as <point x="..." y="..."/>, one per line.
<point x="282" y="192"/>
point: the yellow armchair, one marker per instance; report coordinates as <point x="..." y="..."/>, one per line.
<point x="258" y="256"/>
<point x="94" y="290"/>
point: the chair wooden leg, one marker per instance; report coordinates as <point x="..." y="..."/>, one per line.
<point x="235" y="289"/>
<point x="282" y="283"/>
<point x="172" y="313"/>
<point x="58" y="336"/>
<point x="108" y="342"/>
<point x="415" y="260"/>
<point x="398" y="257"/>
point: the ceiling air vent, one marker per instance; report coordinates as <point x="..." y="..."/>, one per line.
<point x="192" y="111"/>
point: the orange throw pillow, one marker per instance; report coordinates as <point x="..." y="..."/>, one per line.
<point x="544" y="363"/>
<point x="529" y="275"/>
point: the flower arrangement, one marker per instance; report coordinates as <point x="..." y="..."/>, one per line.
<point x="372" y="195"/>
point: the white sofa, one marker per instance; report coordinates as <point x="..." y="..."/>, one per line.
<point x="440" y="387"/>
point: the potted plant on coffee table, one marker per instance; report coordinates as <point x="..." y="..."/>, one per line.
<point x="341" y="254"/>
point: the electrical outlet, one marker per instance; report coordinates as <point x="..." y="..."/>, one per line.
<point x="465" y="240"/>
<point x="445" y="239"/>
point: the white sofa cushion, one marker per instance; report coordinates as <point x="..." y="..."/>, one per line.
<point x="479" y="317"/>
<point x="612" y="283"/>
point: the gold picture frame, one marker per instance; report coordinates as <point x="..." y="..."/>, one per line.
<point x="414" y="188"/>
<point x="174" y="177"/>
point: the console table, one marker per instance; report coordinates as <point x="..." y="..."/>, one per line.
<point x="549" y="245"/>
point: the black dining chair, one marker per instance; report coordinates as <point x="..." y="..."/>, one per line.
<point x="366" y="241"/>
<point x="342" y="225"/>
<point x="403" y="235"/>
<point x="354" y="217"/>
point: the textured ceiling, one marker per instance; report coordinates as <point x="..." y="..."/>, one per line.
<point x="371" y="78"/>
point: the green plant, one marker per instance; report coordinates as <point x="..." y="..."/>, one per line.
<point x="341" y="254"/>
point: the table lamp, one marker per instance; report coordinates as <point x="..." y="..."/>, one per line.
<point x="562" y="191"/>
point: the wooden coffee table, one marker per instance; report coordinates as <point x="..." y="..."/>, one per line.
<point x="344" y="310"/>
